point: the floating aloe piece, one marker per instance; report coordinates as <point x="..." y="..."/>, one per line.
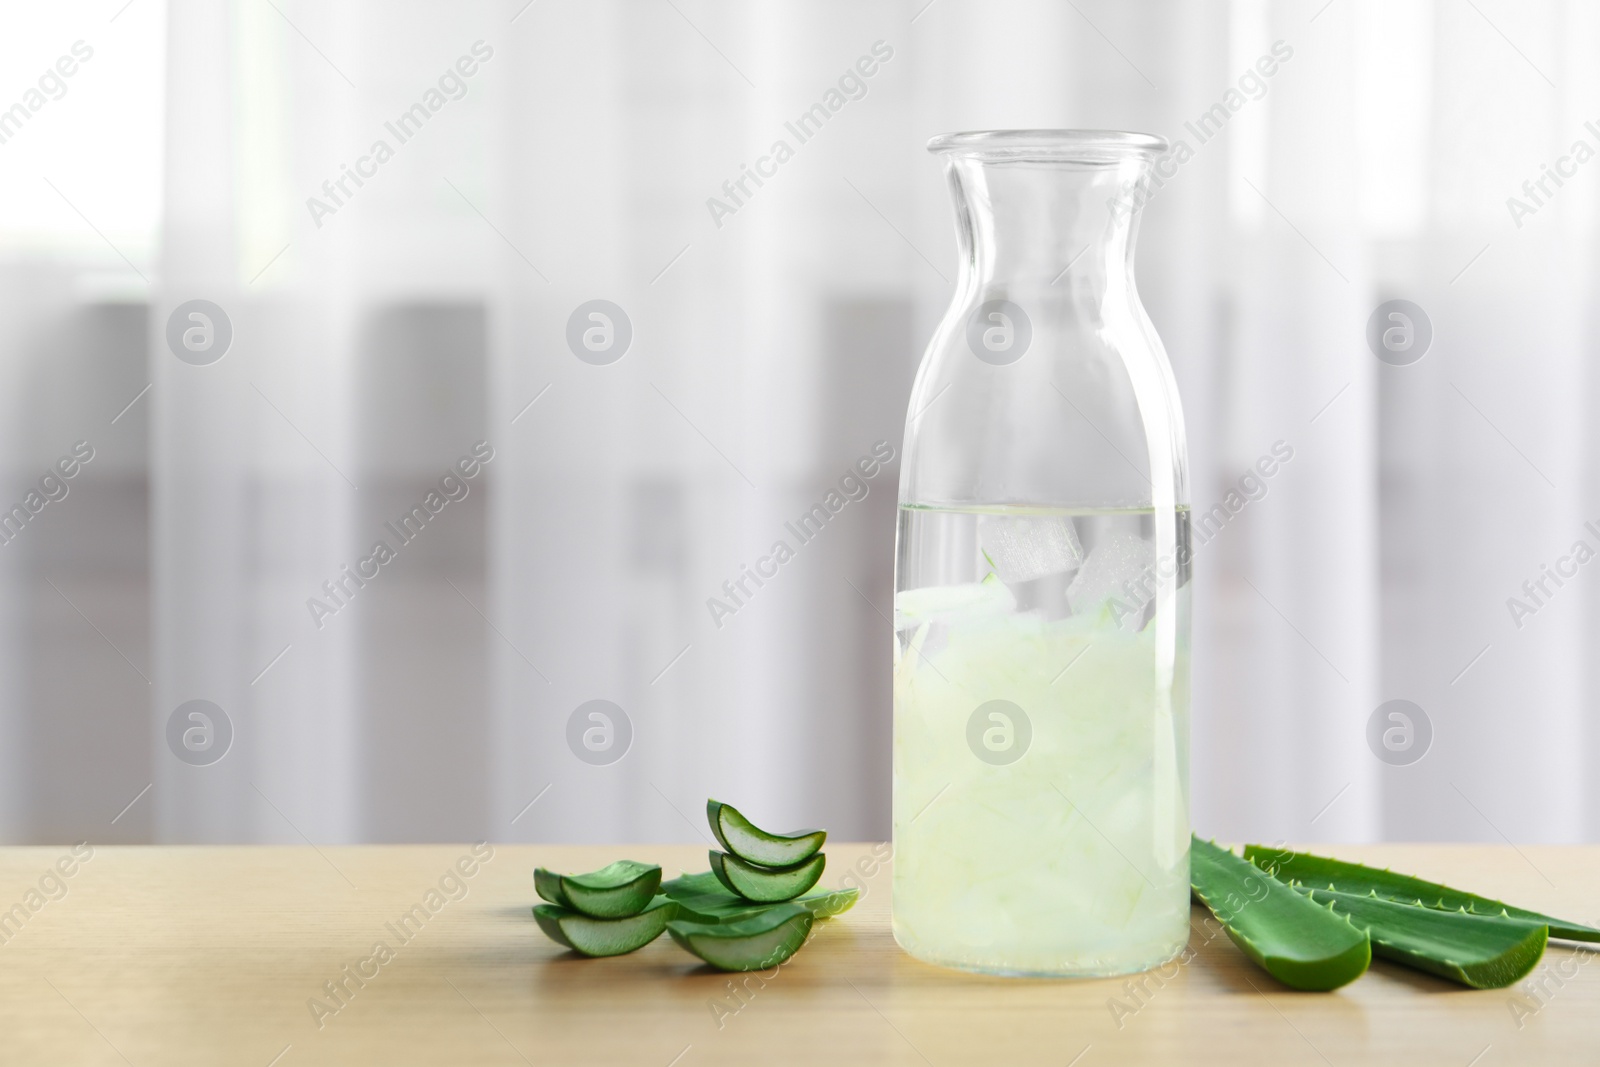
<point x="1302" y="944"/>
<point x="613" y="892"/>
<point x="749" y="842"/>
<point x="767" y="884"/>
<point x="605" y="937"/>
<point x="754" y="943"/>
<point x="703" y="898"/>
<point x="1320" y="872"/>
<point x="1480" y="951"/>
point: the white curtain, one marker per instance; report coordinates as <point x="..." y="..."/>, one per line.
<point x="383" y="327"/>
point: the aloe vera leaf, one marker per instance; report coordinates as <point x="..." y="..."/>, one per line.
<point x="703" y="898"/>
<point x="829" y="902"/>
<point x="1300" y="943"/>
<point x="605" y="937"/>
<point x="1341" y="876"/>
<point x="1479" y="951"/>
<point x="615" y="891"/>
<point x="548" y="885"/>
<point x="767" y="885"/>
<point x="753" y="943"/>
<point x="749" y="842"/>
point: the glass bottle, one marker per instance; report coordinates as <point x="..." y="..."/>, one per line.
<point x="1041" y="653"/>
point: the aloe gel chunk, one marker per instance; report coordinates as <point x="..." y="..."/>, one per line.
<point x="1479" y="951"/>
<point x="605" y="937"/>
<point x="749" y="842"/>
<point x="1302" y="944"/>
<point x="1340" y="876"/>
<point x="703" y="898"/>
<point x="613" y="892"/>
<point x="767" y="884"/>
<point x="753" y="943"/>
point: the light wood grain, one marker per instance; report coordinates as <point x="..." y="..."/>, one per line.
<point x="209" y="956"/>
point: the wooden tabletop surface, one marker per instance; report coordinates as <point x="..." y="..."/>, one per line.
<point x="215" y="956"/>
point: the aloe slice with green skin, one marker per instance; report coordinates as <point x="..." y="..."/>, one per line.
<point x="703" y="898"/>
<point x="753" y="943"/>
<point x="614" y="891"/>
<point x="605" y="937"/>
<point x="548" y="885"/>
<point x="1320" y="872"/>
<point x="1302" y="944"/>
<point x="767" y="885"/>
<point x="752" y="844"/>
<point x="1479" y="951"/>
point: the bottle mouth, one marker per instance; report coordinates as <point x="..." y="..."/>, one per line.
<point x="1080" y="146"/>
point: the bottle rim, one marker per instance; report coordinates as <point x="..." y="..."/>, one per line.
<point x="1071" y="145"/>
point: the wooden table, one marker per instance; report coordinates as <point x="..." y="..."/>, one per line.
<point x="211" y="955"/>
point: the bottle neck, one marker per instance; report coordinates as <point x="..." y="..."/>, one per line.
<point x="1047" y="229"/>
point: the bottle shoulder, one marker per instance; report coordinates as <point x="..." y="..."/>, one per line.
<point x="1063" y="406"/>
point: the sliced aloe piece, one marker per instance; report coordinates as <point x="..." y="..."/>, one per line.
<point x="1320" y="872"/>
<point x="1302" y="944"/>
<point x="605" y="937"/>
<point x="749" y="842"/>
<point x="767" y="885"/>
<point x="548" y="885"/>
<point x="1480" y="951"/>
<point x="753" y="943"/>
<point x="614" y="891"/>
<point x="703" y="898"/>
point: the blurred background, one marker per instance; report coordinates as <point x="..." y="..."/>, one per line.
<point x="370" y="315"/>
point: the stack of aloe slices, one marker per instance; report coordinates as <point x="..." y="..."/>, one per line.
<point x="604" y="913"/>
<point x="760" y="866"/>
<point x="749" y="912"/>
<point x="761" y="917"/>
<point x="1315" y="923"/>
